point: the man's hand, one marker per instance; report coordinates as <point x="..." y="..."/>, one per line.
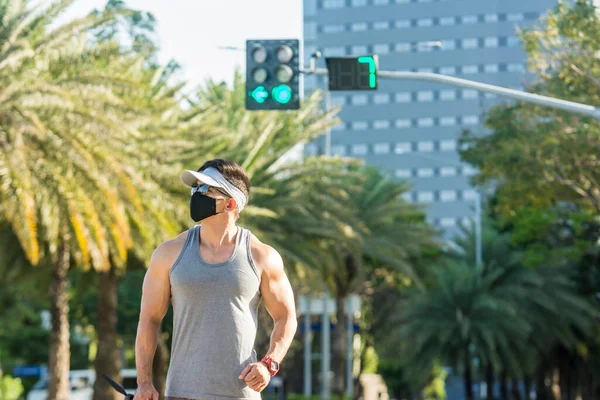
<point x="146" y="391"/>
<point x="257" y="376"/>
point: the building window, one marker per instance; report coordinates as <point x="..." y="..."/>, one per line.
<point x="334" y="3"/>
<point x="402" y="1"/>
<point x="448" y="145"/>
<point x="470" y="69"/>
<point x="447" y="95"/>
<point x="402" y="47"/>
<point x="515" y="17"/>
<point x="381" y="25"/>
<point x="425" y="122"/>
<point x="489" y="95"/>
<point x="381" y="2"/>
<point x="469" y="19"/>
<point x="338" y="100"/>
<point x="403" y="97"/>
<point x="338" y="150"/>
<point x="359" y="27"/>
<point x="403" y="123"/>
<point x="359" y="50"/>
<point x="425" y="95"/>
<point x="425" y="69"/>
<point x="448" y="195"/>
<point x="447" y="222"/>
<point x="339" y="127"/>
<point x="425" y="172"/>
<point x="403" y="173"/>
<point x="448" y="44"/>
<point x="381" y="124"/>
<point x="311" y="149"/>
<point x="513" y="41"/>
<point x="469" y="195"/>
<point x="425" y="146"/>
<point x="470" y="43"/>
<point x="448" y="121"/>
<point x="359" y="3"/>
<point x="335" y="51"/>
<point x="469" y="94"/>
<point x="359" y="99"/>
<point x="515" y="67"/>
<point x="381" y="148"/>
<point x="359" y="125"/>
<point x="490" y="68"/>
<point x="310" y="31"/>
<point x="470" y="120"/>
<point x="310" y="7"/>
<point x="424" y="47"/>
<point x="469" y="170"/>
<point x="448" y="171"/>
<point x="423" y="22"/>
<point x="402" y="23"/>
<point x="402" y="148"/>
<point x="381" y="98"/>
<point x="359" y="149"/>
<point x="490" y="18"/>
<point x="446" y="21"/>
<point x="448" y="70"/>
<point x="425" y="197"/>
<point x="333" y="28"/>
<point x="381" y="48"/>
<point x="490" y="42"/>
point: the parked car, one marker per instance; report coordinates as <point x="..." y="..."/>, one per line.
<point x="81" y="383"/>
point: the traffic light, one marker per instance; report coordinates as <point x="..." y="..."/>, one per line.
<point x="273" y="74"/>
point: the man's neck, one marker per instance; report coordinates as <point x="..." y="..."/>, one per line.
<point x="217" y="235"/>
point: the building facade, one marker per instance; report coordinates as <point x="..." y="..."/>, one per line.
<point x="408" y="128"/>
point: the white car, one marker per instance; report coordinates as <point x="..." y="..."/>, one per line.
<point x="81" y="383"/>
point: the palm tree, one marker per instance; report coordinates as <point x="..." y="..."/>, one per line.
<point x="65" y="133"/>
<point x="387" y="233"/>
<point x="459" y="317"/>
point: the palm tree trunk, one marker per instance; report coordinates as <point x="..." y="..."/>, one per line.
<point x="503" y="385"/>
<point x="540" y="384"/>
<point x="339" y="348"/>
<point x="108" y="360"/>
<point x="159" y="366"/>
<point x="527" y="384"/>
<point x="489" y="381"/>
<point x="516" y="395"/>
<point x="60" y="351"/>
<point x="468" y="378"/>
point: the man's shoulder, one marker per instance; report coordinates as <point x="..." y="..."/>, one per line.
<point x="265" y="256"/>
<point x="168" y="251"/>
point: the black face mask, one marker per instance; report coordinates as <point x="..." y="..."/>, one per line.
<point x="202" y="207"/>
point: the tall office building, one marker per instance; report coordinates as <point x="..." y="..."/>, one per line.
<point x="410" y="128"/>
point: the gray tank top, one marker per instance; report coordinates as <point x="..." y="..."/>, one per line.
<point x="214" y="322"/>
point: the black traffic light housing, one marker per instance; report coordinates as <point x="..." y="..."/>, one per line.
<point x="273" y="74"/>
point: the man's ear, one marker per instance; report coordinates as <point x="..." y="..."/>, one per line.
<point x="231" y="204"/>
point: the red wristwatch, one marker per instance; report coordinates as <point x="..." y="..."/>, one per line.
<point x="272" y="366"/>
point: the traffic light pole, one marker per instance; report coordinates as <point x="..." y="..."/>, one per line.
<point x="482" y="87"/>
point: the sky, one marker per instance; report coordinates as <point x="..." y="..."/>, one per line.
<point x="191" y="31"/>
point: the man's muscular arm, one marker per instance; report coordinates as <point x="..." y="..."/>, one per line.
<point x="279" y="301"/>
<point x="156" y="293"/>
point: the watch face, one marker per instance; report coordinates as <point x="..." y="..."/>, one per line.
<point x="274" y="365"/>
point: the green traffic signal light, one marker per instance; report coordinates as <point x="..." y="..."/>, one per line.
<point x="282" y="94"/>
<point x="259" y="94"/>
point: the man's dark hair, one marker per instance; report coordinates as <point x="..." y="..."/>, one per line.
<point x="232" y="172"/>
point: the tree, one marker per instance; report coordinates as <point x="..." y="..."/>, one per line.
<point x="59" y="97"/>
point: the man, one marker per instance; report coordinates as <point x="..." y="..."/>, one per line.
<point x="215" y="274"/>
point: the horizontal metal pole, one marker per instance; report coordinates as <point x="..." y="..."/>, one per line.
<point x="481" y="87"/>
